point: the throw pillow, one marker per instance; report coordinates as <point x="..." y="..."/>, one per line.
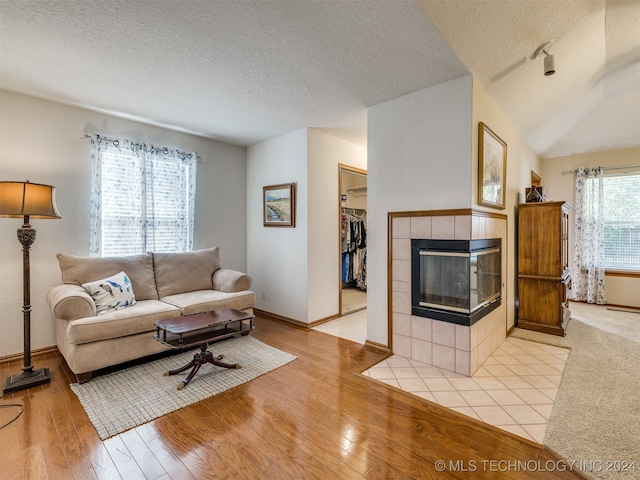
<point x="112" y="293"/>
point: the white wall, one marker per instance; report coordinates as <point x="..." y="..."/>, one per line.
<point x="520" y="161"/>
<point x="620" y="290"/>
<point x="297" y="268"/>
<point x="41" y="141"/>
<point x="277" y="256"/>
<point x="419" y="151"/>
<point x="325" y="152"/>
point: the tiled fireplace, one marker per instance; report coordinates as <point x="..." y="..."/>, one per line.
<point x="434" y="339"/>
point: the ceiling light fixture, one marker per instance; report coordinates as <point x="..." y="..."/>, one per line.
<point x="549" y="60"/>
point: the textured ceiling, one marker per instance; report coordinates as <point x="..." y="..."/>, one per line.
<point x="239" y="71"/>
<point x="246" y="71"/>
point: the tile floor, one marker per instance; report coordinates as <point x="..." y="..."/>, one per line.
<point x="352" y="326"/>
<point x="513" y="390"/>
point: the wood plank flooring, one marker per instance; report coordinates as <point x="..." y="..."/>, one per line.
<point x="314" y="418"/>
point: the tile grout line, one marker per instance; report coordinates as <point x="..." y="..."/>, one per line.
<point x="500" y="408"/>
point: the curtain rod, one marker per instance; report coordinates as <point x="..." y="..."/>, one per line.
<point x="116" y="142"/>
<point x="605" y="168"/>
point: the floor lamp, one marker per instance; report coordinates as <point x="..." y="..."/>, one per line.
<point x="27" y="200"/>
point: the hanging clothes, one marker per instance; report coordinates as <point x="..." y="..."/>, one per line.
<point x="354" y="247"/>
<point x="361" y="279"/>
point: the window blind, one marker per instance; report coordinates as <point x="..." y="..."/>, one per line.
<point x="144" y="199"/>
<point x="622" y="221"/>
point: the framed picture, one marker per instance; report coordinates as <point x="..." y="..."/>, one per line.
<point x="492" y="168"/>
<point x="279" y="205"/>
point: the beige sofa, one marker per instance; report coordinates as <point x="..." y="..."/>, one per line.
<point x="165" y="285"/>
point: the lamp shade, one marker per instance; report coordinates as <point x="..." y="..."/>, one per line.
<point x="19" y="199"/>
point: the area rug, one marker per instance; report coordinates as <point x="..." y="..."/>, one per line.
<point x="127" y="398"/>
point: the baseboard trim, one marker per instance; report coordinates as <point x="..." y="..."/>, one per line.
<point x="614" y="305"/>
<point x="20" y="356"/>
<point x="315" y="323"/>
<point x="377" y="346"/>
<point x="274" y="316"/>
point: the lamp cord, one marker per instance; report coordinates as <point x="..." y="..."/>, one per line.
<point x="7" y="405"/>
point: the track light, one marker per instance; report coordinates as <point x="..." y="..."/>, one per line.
<point x="549" y="60"/>
<point x="549" y="64"/>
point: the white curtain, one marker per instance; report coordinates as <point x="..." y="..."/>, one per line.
<point x="142" y="198"/>
<point x="588" y="263"/>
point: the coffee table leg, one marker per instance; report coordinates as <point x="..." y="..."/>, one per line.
<point x="216" y="361"/>
<point x="182" y="369"/>
<point x="192" y="374"/>
<point x="200" y="358"/>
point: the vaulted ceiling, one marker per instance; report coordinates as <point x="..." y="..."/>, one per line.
<point x="249" y="70"/>
<point x="591" y="103"/>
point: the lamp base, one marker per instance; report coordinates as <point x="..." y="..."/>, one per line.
<point x="27" y="379"/>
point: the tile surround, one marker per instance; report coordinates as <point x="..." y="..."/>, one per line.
<point x="458" y="348"/>
<point x="421" y="227"/>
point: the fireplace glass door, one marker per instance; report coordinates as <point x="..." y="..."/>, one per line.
<point x="443" y="280"/>
<point x="459" y="281"/>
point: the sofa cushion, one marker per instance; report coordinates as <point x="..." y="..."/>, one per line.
<point x="139" y="268"/>
<point x="138" y="318"/>
<point x="186" y="271"/>
<point x="207" y="300"/>
<point x="111" y="293"/>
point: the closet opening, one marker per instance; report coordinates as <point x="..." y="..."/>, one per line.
<point x="353" y="239"/>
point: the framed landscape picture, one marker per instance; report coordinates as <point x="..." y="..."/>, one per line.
<point x="279" y="205"/>
<point x="492" y="168"/>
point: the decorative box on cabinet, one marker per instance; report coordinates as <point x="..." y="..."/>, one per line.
<point x="544" y="280"/>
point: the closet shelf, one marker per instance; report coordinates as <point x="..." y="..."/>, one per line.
<point x="358" y="191"/>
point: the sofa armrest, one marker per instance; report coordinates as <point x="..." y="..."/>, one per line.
<point x="229" y="281"/>
<point x="68" y="302"/>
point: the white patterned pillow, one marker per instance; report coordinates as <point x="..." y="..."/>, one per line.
<point x="111" y="293"/>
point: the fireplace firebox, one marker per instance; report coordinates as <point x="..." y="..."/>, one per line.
<point x="455" y="281"/>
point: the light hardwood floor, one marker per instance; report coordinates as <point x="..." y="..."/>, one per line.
<point x="314" y="418"/>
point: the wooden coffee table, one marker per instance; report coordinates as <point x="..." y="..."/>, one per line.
<point x="201" y="329"/>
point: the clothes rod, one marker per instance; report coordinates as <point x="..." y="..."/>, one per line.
<point x="606" y="168"/>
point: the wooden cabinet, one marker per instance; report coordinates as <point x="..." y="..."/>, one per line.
<point x="543" y="267"/>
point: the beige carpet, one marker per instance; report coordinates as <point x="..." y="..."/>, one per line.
<point x="621" y="322"/>
<point x="127" y="398"/>
<point x="353" y="299"/>
<point x="595" y="421"/>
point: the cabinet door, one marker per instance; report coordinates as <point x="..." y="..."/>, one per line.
<point x="540" y="234"/>
<point x="541" y="301"/>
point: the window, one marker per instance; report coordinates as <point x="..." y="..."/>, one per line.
<point x="622" y="221"/>
<point x="142" y="198"/>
